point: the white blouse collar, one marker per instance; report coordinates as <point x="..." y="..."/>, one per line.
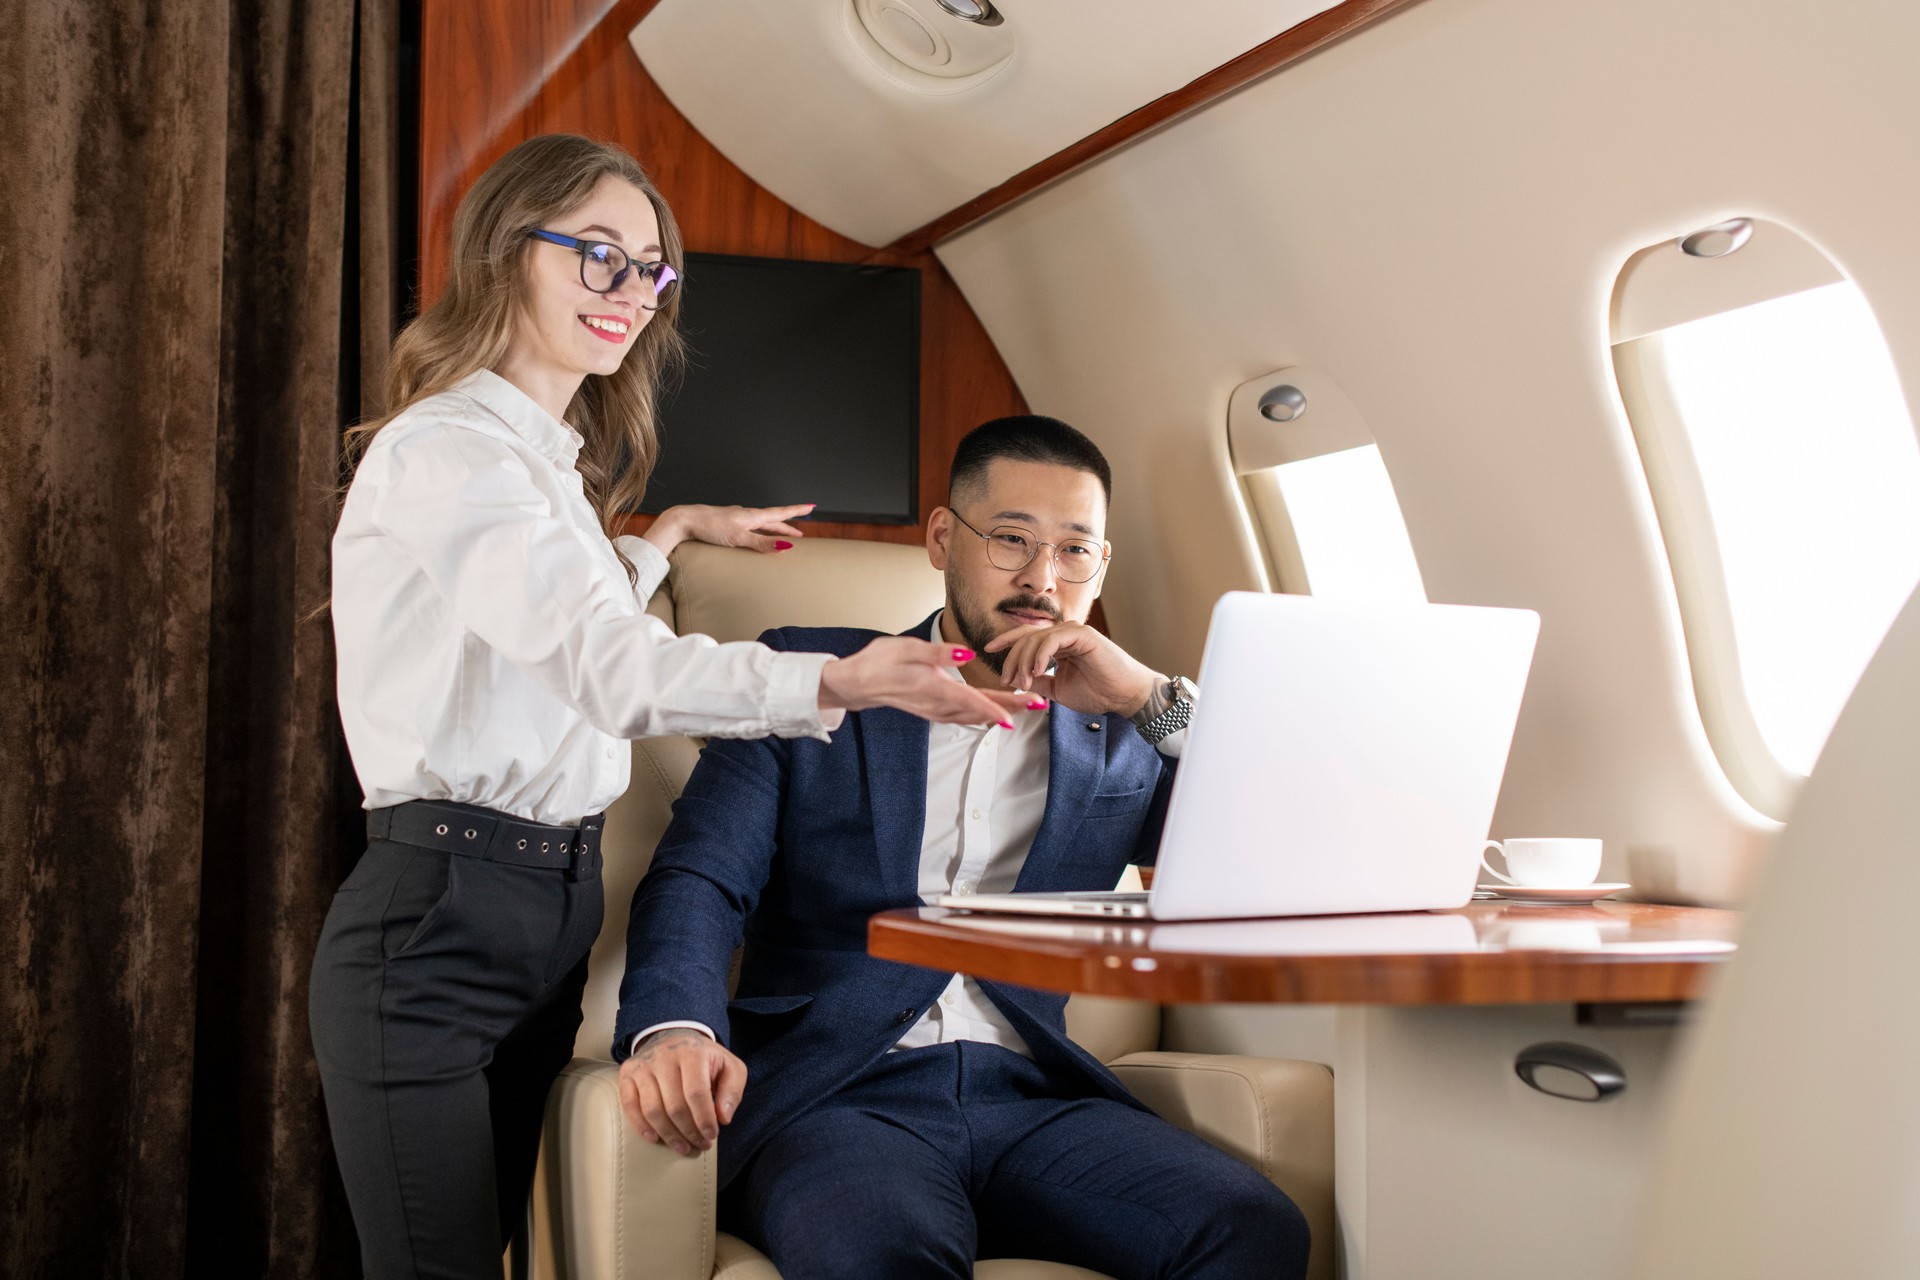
<point x="552" y="437"/>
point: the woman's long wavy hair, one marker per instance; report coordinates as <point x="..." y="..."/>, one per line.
<point x="536" y="185"/>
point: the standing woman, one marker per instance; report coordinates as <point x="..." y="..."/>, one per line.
<point x="495" y="657"/>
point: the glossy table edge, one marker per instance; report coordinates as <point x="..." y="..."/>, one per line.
<point x="1121" y="962"/>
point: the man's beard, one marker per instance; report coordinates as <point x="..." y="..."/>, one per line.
<point x="978" y="630"/>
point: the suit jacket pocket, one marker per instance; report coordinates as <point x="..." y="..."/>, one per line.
<point x="767" y="1005"/>
<point x="757" y="1021"/>
<point x="1118" y="803"/>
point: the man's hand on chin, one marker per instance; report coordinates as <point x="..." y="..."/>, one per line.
<point x="679" y="1087"/>
<point x="1092" y="674"/>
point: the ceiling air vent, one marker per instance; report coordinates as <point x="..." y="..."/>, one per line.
<point x="928" y="46"/>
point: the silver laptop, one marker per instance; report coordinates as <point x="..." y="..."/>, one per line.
<point x="1345" y="756"/>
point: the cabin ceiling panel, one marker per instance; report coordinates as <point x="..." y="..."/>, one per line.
<point x="1434" y="212"/>
<point x="800" y="95"/>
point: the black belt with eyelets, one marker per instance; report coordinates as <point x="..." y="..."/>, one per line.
<point x="477" y="832"/>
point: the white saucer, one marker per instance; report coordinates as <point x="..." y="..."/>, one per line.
<point x="1531" y="893"/>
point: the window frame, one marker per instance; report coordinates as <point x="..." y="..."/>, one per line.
<point x="1261" y="448"/>
<point x="1655" y="290"/>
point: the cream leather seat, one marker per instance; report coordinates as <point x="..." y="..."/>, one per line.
<point x="608" y="1206"/>
<point x="1794" y="1144"/>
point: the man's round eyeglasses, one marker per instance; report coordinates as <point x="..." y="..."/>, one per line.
<point x="603" y="267"/>
<point x="1012" y="548"/>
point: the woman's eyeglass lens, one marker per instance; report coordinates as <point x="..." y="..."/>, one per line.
<point x="603" y="268"/>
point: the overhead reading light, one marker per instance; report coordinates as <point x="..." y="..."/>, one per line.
<point x="981" y="11"/>
<point x="1283" y="403"/>
<point x="1716" y="241"/>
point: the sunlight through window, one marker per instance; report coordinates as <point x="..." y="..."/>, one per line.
<point x="1811" y="474"/>
<point x="1353" y="541"/>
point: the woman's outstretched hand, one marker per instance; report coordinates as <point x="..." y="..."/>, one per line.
<point x="756" y="528"/>
<point x="896" y="671"/>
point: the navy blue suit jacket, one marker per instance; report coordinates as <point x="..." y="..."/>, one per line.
<point x="790" y="844"/>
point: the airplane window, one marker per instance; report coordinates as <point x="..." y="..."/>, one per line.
<point x="1812" y="478"/>
<point x="1347" y="537"/>
<point x="1786" y="476"/>
<point x="1317" y="490"/>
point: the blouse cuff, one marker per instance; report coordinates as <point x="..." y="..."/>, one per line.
<point x="793" y="697"/>
<point x="648" y="562"/>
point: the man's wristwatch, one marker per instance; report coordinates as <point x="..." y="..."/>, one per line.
<point x="1168" y="710"/>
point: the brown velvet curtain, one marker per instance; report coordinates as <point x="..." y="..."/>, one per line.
<point x="197" y="250"/>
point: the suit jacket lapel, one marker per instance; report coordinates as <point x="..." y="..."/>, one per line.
<point x="1079" y="759"/>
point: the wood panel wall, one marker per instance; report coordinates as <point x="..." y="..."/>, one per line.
<point x="496" y="72"/>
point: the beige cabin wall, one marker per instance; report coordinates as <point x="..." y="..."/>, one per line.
<point x="1433" y="212"/>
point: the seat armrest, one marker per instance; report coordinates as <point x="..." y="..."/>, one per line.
<point x="1274" y="1114"/>
<point x="609" y="1206"/>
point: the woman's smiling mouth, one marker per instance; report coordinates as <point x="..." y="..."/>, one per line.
<point x="610" y="328"/>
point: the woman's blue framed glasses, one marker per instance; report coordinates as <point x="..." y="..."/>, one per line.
<point x="603" y="267"/>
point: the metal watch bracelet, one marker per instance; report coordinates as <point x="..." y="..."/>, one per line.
<point x="1168" y="711"/>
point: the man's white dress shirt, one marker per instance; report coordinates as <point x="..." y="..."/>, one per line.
<point x="986" y="795"/>
<point x="491" y="647"/>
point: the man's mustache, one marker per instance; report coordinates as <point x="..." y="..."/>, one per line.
<point x="1033" y="604"/>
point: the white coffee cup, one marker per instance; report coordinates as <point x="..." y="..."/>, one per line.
<point x="1557" y="862"/>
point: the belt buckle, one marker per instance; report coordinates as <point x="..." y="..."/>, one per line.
<point x="584" y="859"/>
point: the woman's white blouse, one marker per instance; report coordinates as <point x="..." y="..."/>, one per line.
<point x="491" y="649"/>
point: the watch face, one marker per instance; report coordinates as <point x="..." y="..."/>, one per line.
<point x="1185" y="689"/>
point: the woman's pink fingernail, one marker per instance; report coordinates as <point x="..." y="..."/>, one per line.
<point x="1006" y="724"/>
<point x="1038" y="704"/>
<point x="781" y="544"/>
<point x="962" y="655"/>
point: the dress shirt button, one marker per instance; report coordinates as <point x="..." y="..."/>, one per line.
<point x="963" y="886"/>
<point x="976" y="815"/>
<point x="612" y="752"/>
<point x="950" y="999"/>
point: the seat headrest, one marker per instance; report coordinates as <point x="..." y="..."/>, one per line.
<point x="733" y="594"/>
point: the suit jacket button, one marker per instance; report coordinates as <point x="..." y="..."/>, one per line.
<point x="906" y="1016"/>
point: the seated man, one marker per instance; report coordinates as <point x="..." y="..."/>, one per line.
<point x="902" y="1122"/>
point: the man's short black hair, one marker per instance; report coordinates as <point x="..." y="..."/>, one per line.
<point x="1025" y="437"/>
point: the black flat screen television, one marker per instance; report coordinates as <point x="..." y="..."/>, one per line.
<point x="803" y="385"/>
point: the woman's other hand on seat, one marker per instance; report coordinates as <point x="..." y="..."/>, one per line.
<point x="916" y="676"/>
<point x="755" y="528"/>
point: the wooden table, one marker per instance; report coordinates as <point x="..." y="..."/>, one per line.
<point x="1483" y="954"/>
